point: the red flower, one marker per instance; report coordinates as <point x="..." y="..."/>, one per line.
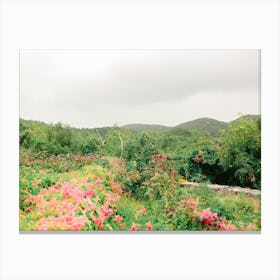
<point x="133" y="227"/>
<point x="196" y="159"/>
<point x="149" y="226"/>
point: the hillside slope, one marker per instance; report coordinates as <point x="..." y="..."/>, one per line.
<point x="142" y="127"/>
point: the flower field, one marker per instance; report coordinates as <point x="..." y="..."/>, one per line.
<point x="91" y="192"/>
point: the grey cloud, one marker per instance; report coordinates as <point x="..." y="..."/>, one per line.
<point x="82" y="82"/>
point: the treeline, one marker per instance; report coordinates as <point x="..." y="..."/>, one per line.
<point x="232" y="158"/>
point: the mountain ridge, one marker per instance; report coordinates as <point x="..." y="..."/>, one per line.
<point x="209" y="125"/>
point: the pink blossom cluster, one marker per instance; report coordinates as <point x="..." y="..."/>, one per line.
<point x="76" y="205"/>
<point x="62" y="223"/>
<point x="190" y="204"/>
<point x="213" y="221"/>
<point x="207" y="219"/>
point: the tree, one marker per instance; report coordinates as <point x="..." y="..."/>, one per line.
<point x="241" y="151"/>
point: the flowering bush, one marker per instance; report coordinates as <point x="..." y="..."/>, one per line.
<point x="204" y="219"/>
<point x="203" y="163"/>
<point x="77" y="205"/>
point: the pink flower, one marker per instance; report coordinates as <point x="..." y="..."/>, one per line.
<point x="43" y="191"/>
<point x="108" y="212"/>
<point x="89" y="193"/>
<point x="133" y="227"/>
<point x="116" y="197"/>
<point x="57" y="207"/>
<point x="68" y="219"/>
<point x="192" y="204"/>
<point x="141" y="211"/>
<point x="42" y="209"/>
<point x="117" y="219"/>
<point x="78" y="223"/>
<point x="149" y="226"/>
<point x="208" y="217"/>
<point x="229" y="227"/>
<point x="67" y="208"/>
<point x="98" y="222"/>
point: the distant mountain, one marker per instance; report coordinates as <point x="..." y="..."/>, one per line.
<point x="208" y="125"/>
<point x="143" y="127"/>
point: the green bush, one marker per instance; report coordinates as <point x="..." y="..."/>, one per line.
<point x="137" y="154"/>
<point x="91" y="147"/>
<point x="203" y="163"/>
<point x="241" y="151"/>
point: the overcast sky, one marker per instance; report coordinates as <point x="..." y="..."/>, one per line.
<point x="101" y="88"/>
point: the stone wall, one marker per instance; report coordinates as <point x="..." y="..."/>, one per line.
<point x="225" y="189"/>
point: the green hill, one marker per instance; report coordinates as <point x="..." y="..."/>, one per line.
<point x="208" y="125"/>
<point x="143" y="127"/>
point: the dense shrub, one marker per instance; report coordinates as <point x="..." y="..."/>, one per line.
<point x="234" y="158"/>
<point x="241" y="152"/>
<point x="203" y="163"/>
<point x="137" y="154"/>
<point x="91" y="147"/>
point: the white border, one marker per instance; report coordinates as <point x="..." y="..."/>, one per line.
<point x="139" y="25"/>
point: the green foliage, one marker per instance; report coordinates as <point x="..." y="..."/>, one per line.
<point x="241" y="151"/>
<point x="140" y="151"/>
<point x="233" y="158"/>
<point x="91" y="147"/>
<point x="202" y="163"/>
<point x="137" y="154"/>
